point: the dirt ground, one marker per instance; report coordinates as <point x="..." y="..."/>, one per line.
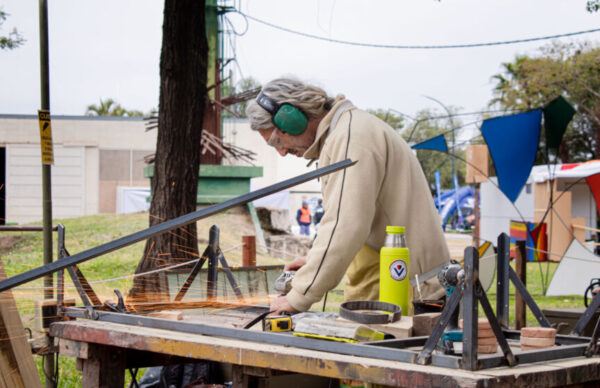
<point x="457" y="244"/>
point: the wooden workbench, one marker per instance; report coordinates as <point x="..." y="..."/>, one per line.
<point x="104" y="350"/>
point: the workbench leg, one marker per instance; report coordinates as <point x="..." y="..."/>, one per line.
<point x="105" y="369"/>
<point x="242" y="379"/>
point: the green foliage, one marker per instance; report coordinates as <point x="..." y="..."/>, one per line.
<point x="13" y="40"/>
<point x="427" y="126"/>
<point x="593" y="6"/>
<point x="394" y="121"/>
<point x="110" y="107"/>
<point x="562" y="69"/>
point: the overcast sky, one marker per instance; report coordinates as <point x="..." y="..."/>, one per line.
<point x="111" y="48"/>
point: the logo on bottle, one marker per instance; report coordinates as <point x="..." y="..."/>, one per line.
<point x="398" y="270"/>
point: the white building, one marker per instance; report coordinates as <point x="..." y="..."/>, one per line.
<point x="94" y="156"/>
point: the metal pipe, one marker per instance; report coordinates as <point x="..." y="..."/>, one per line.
<point x="46" y="178"/>
<point x="167" y="226"/>
<point x="13" y="228"/>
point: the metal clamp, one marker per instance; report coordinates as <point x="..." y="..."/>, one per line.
<point x="348" y="311"/>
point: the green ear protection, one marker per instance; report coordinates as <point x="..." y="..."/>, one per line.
<point x="286" y="117"/>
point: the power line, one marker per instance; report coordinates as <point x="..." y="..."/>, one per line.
<point x="416" y="47"/>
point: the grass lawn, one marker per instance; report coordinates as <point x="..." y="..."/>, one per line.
<point x="87" y="232"/>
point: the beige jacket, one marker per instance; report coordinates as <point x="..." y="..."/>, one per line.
<point x="385" y="187"/>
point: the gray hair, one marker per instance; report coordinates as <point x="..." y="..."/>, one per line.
<point x="311" y="100"/>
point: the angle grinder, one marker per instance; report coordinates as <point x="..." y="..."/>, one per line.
<point x="283" y="284"/>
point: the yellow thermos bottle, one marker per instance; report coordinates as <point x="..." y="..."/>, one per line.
<point x="393" y="269"/>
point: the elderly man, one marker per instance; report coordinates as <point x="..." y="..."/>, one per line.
<point x="385" y="187"/>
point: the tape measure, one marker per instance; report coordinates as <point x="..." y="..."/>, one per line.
<point x="277" y="323"/>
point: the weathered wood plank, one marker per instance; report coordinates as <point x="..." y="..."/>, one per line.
<point x="105" y="368"/>
<point x="289" y="359"/>
<point x="17" y="368"/>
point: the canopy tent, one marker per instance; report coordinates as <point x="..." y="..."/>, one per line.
<point x="577" y="267"/>
<point x="543" y="173"/>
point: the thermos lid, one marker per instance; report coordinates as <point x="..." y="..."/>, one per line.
<point x="395" y="229"/>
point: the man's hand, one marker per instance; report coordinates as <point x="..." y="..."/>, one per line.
<point x="281" y="305"/>
<point x="295" y="264"/>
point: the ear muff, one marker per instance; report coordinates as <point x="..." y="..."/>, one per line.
<point x="286" y="117"/>
<point x="290" y="120"/>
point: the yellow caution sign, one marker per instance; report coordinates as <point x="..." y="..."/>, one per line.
<point x="46" y="137"/>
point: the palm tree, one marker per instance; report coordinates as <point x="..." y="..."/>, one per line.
<point x="107" y="107"/>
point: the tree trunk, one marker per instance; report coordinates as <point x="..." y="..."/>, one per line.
<point x="183" y="67"/>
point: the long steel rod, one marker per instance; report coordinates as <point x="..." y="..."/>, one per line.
<point x="167" y="226"/>
<point x="273" y="338"/>
<point x="586" y="316"/>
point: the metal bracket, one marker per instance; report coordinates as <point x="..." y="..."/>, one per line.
<point x="593" y="346"/>
<point x="214" y="255"/>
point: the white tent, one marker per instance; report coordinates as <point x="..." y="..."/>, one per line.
<point x="577" y="267"/>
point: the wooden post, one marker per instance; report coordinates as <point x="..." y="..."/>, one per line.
<point x="17" y="368"/>
<point x="476" y="215"/>
<point x="105" y="367"/>
<point x="249" y="260"/>
<point x="249" y="251"/>
<point x="521" y="270"/>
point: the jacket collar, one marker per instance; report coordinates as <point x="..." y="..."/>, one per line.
<point x="314" y="150"/>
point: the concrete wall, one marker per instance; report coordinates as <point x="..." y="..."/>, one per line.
<point x="93" y="155"/>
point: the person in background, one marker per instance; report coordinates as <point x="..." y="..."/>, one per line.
<point x="303" y="218"/>
<point x="319" y="211"/>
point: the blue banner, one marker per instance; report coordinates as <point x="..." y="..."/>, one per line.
<point x="513" y="143"/>
<point x="437" y="143"/>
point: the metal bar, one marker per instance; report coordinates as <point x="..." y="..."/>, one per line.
<point x="489" y="313"/>
<point x="535" y="356"/>
<point x="502" y="264"/>
<point x="14" y="228"/>
<point x="400" y="342"/>
<point x="192" y="276"/>
<point x="87" y="288"/>
<point x="587" y="315"/>
<point x="521" y="289"/>
<point x="82" y="294"/>
<point x="60" y="276"/>
<point x="593" y="345"/>
<point x="357" y="349"/>
<point x="213" y="263"/>
<point x="232" y="282"/>
<point x="446" y="361"/>
<point x="167" y="226"/>
<point x="48" y="364"/>
<point x="452" y="304"/>
<point x="553" y="353"/>
<point x="470" y="306"/>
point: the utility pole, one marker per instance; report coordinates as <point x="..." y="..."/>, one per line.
<point x="48" y="364"/>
